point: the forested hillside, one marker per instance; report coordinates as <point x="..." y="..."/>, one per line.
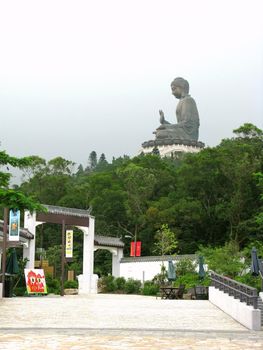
<point x="208" y="198"/>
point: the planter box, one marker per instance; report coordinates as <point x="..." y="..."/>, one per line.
<point x="71" y="291"/>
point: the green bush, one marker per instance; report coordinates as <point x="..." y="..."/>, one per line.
<point x="106" y="284"/>
<point x="185" y="266"/>
<point x="226" y="260"/>
<point x="150" y="288"/>
<point x="109" y="284"/>
<point x="120" y="283"/>
<point x="132" y="286"/>
<point x="20" y="291"/>
<point x="190" y="280"/>
<point x="71" y="284"/>
<point x="53" y="285"/>
<point x="249" y="280"/>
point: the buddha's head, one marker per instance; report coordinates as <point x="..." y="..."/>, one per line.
<point x="180" y="87"/>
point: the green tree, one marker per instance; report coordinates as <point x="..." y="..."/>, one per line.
<point x="93" y="160"/>
<point x="106" y="198"/>
<point x="80" y="170"/>
<point x="102" y="163"/>
<point x="259" y="215"/>
<point x="13" y="198"/>
<point x="248" y="130"/>
<point x="208" y="198"/>
<point x="138" y="184"/>
<point x="50" y="182"/>
<point x="54" y="259"/>
<point x="37" y="164"/>
<point x="216" y="197"/>
<point x="226" y="260"/>
<point x="166" y="242"/>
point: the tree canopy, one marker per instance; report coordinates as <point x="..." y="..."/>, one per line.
<point x="208" y="198"/>
<point x="12" y="198"/>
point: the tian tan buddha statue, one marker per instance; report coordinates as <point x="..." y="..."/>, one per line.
<point x="187" y="126"/>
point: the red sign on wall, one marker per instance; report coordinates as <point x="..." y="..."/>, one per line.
<point x="136" y="251"/>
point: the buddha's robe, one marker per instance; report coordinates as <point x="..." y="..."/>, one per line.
<point x="187" y="127"/>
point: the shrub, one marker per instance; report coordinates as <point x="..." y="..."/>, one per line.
<point x="53" y="285"/>
<point x="191" y="279"/>
<point x="150" y="288"/>
<point x="249" y="280"/>
<point x="20" y="291"/>
<point x="106" y="284"/>
<point x="120" y="283"/>
<point x="132" y="286"/>
<point x="226" y="260"/>
<point x="109" y="284"/>
<point x="185" y="266"/>
<point x="71" y="284"/>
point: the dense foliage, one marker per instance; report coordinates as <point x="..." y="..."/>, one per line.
<point x="13" y="198"/>
<point x="110" y="284"/>
<point x="208" y="198"/>
<point x="203" y="200"/>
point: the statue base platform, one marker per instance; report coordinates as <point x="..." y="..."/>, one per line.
<point x="171" y="148"/>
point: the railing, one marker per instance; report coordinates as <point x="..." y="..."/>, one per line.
<point x="236" y="289"/>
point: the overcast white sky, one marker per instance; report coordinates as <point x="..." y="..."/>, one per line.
<point x="78" y="76"/>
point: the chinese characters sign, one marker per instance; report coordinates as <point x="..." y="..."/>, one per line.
<point x="69" y="244"/>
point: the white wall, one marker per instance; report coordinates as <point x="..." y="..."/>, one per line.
<point x="146" y="270"/>
<point x="143" y="270"/>
<point x="240" y="311"/>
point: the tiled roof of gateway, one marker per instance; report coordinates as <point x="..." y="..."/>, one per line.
<point x="67" y="211"/>
<point x="108" y="241"/>
<point x="23" y="231"/>
<point x="157" y="258"/>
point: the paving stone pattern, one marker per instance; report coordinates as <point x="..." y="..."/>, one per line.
<point x="119" y="322"/>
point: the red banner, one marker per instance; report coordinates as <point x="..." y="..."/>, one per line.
<point x="136" y="251"/>
<point x="132" y="249"/>
<point x="138" y="248"/>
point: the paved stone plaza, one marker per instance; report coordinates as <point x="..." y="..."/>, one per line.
<point x="119" y="322"/>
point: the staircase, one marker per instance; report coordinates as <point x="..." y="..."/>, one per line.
<point x="260" y="307"/>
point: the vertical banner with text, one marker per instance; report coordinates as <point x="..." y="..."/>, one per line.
<point x="14" y="225"/>
<point x="69" y="243"/>
<point x="136" y="248"/>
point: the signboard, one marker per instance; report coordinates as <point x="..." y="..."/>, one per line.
<point x="69" y="243"/>
<point x="35" y="281"/>
<point x="14" y="225"/>
<point x="136" y="248"/>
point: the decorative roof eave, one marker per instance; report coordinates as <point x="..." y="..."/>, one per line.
<point x="70" y="216"/>
<point x="108" y="241"/>
<point x="53" y="209"/>
<point x="158" y="258"/>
